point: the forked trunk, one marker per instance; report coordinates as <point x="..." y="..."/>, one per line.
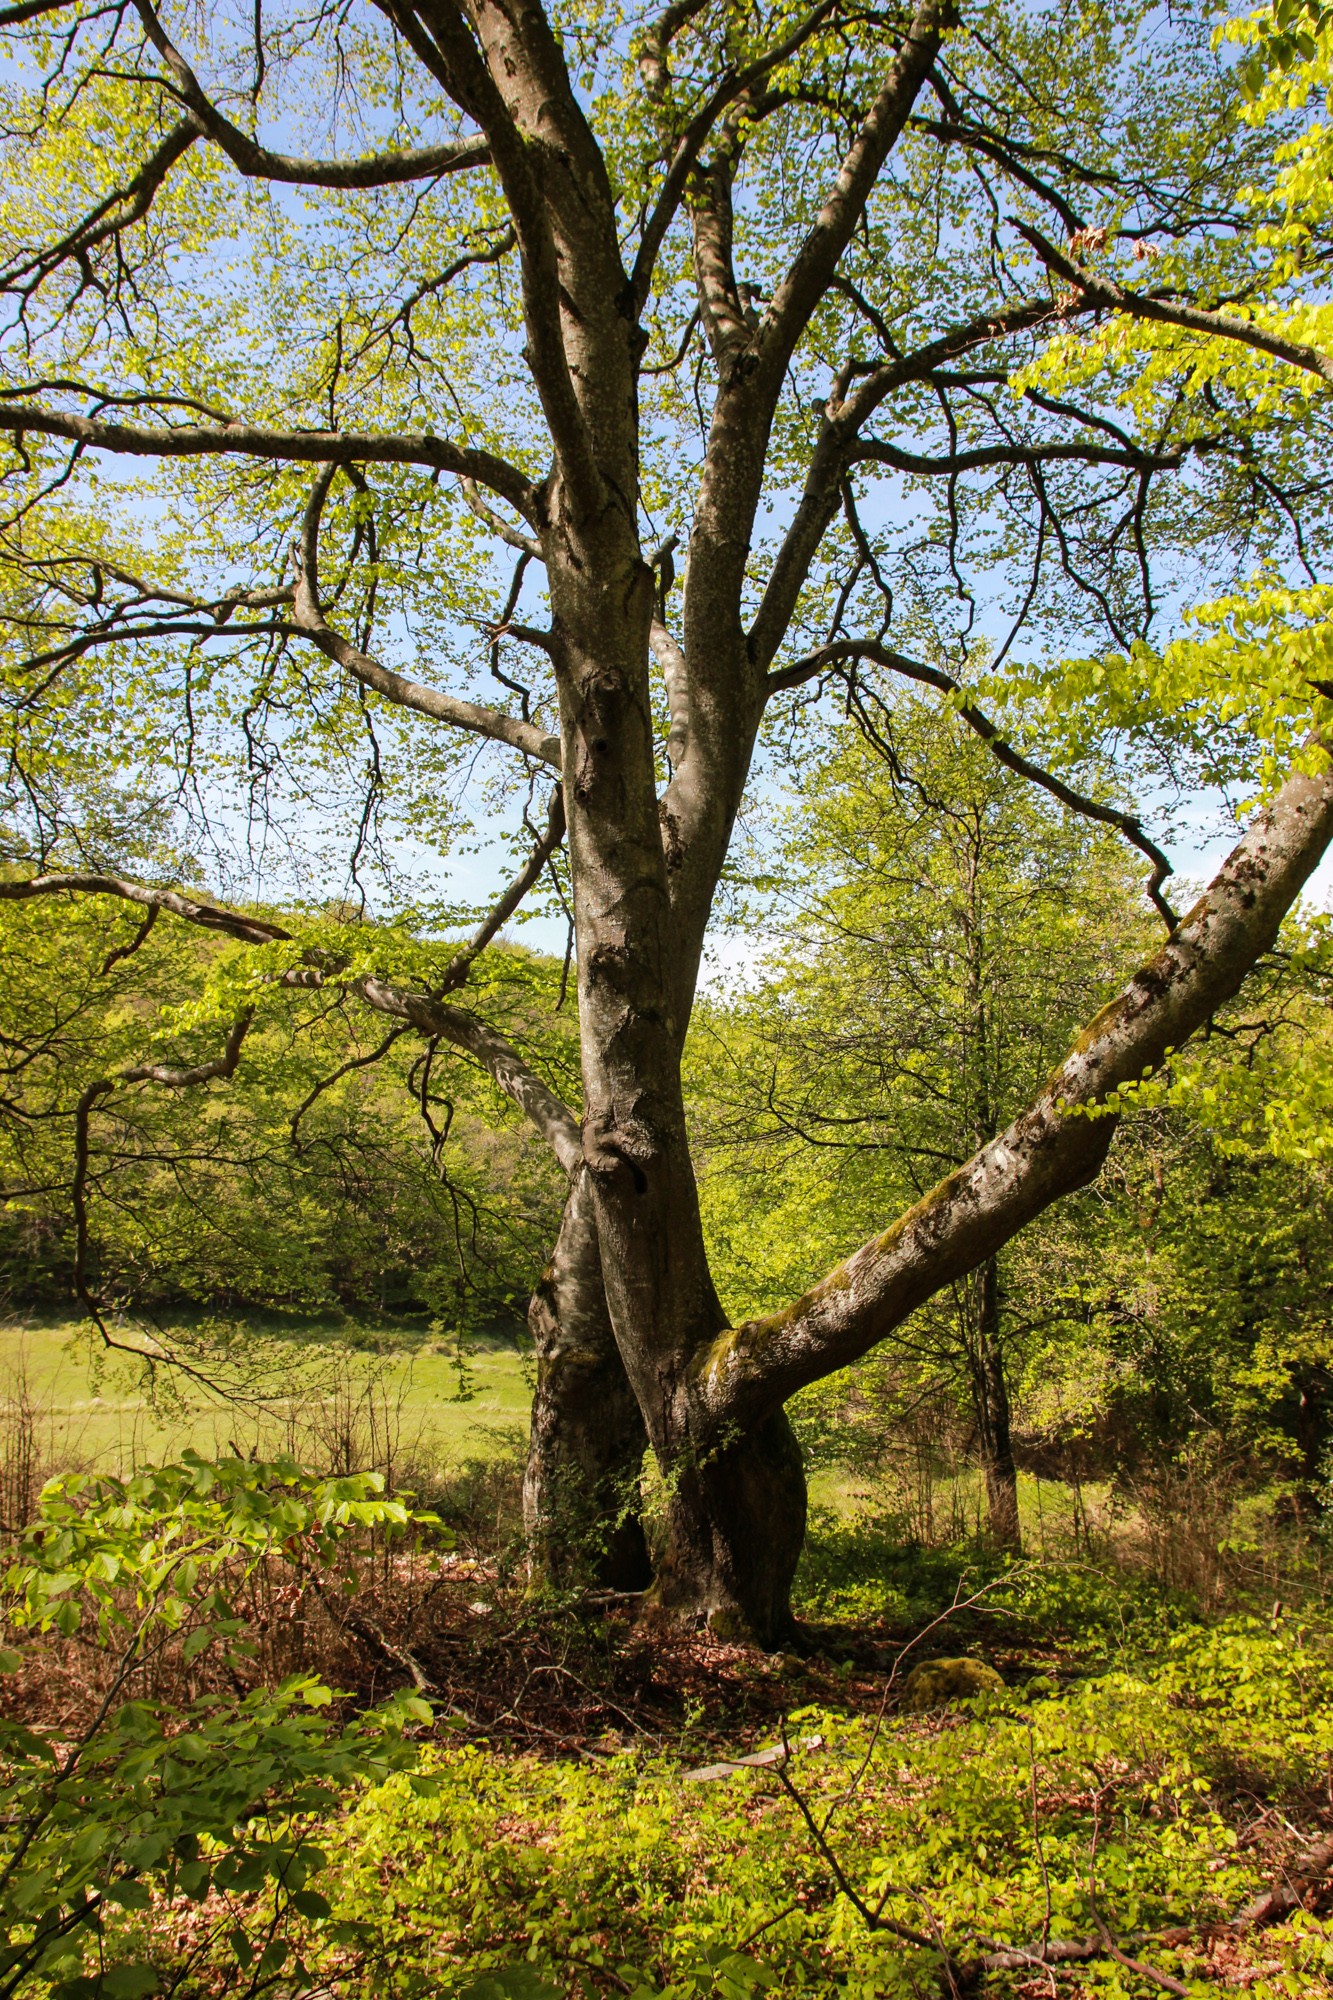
<point x="736" y="1523"/>
<point x="581" y="1497"/>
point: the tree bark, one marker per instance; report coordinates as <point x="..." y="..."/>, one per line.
<point x="990" y="1396"/>
<point x="1313" y="1426"/>
<point x="581" y="1500"/>
<point x="736" y="1524"/>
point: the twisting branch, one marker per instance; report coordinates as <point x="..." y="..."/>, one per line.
<point x="354" y="1063"/>
<point x="204" y="1072"/>
<point x="539" y="1103"/>
<point x="841" y="653"/>
<point x="735" y="84"/>
<point x="259" y="163"/>
<point x="528" y="544"/>
<point x="141" y="937"/>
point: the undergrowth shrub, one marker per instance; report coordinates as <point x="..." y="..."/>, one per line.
<point x="126" y="1800"/>
<point x="1034" y="1814"/>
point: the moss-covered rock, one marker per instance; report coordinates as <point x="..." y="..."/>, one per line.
<point x="940" y="1683"/>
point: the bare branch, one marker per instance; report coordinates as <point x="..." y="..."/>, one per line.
<point x="670" y="658"/>
<point x="30" y="10"/>
<point x="838" y="652"/>
<point x="204" y="1072"/>
<point x="954" y="131"/>
<point x="371" y="170"/>
<point x="528" y="876"/>
<point x="117" y="212"/>
<point x="309" y="621"/>
<point x="140" y="938"/>
<point x="691" y="143"/>
<point x="527" y="544"/>
<point x="982" y="456"/>
<point x="852" y="403"/>
<point x="816" y="261"/>
<point x="516" y="87"/>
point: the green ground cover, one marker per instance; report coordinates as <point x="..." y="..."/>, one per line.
<point x="553" y="1813"/>
<point x="1042" y="1812"/>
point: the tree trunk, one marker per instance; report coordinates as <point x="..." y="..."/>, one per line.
<point x="1314" y="1409"/>
<point x="736" y="1523"/>
<point x="736" y="1496"/>
<point x="581" y="1499"/>
<point x="990" y="1397"/>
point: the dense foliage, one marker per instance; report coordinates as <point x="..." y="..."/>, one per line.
<point x="1131" y="1818"/>
<point x="332" y="1171"/>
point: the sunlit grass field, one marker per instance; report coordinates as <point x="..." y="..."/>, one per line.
<point x="327" y="1390"/>
<point x="344" y="1395"/>
<point x="355" y="1395"/>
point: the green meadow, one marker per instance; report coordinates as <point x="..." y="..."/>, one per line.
<point x="338" y="1393"/>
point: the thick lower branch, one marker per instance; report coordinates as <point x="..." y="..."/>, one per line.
<point x="1055" y="1146"/>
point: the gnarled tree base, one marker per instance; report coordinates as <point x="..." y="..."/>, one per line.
<point x="736" y="1523"/>
<point x="581" y="1498"/>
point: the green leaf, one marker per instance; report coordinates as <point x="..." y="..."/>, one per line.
<point x="128" y="1982"/>
<point x="518" y="1981"/>
<point x="128" y="1894"/>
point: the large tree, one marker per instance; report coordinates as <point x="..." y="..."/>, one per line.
<point x="386" y="296"/>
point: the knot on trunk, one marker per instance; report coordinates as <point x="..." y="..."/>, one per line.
<point x="597" y="730"/>
<point x="619" y="1145"/>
